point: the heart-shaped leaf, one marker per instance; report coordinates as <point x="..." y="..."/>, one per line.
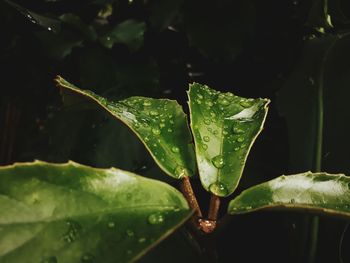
<point x="318" y="192"/>
<point x="75" y="213"/>
<point x="159" y="123"/>
<point x="225" y="127"/>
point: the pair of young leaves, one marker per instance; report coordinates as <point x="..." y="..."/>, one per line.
<point x="71" y="213"/>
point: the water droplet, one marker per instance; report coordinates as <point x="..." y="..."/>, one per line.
<point x="222" y="100"/>
<point x="147" y="103"/>
<point x="215" y="132"/>
<point x="180" y="171"/>
<point x="200" y="96"/>
<point x="218" y="161"/>
<point x="156" y="131"/>
<point x="136" y="125"/>
<point x="153" y="113"/>
<point x="51" y="259"/>
<point x="206" y="138"/>
<point x="130" y="233"/>
<point x="73" y="231"/>
<point x="237" y="130"/>
<point x="236" y="149"/>
<point x="87" y="258"/>
<point x="224" y="132"/>
<point x="142" y="239"/>
<point x="246" y="103"/>
<point x="156" y="219"/>
<point x="292" y="201"/>
<point x="240" y="139"/>
<point x="146" y="139"/>
<point x="204" y="146"/>
<point x="218" y="189"/>
<point x="207" y="121"/>
<point x="175" y="149"/>
<point x="209" y="103"/>
<point x="111" y="224"/>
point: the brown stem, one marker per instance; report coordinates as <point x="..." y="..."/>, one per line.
<point x="214" y="207"/>
<point x="209" y="225"/>
<point x="186" y="189"/>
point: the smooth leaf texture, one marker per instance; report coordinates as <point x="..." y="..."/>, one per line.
<point x="318" y="192"/>
<point x="225" y="127"/>
<point x="75" y="213"/>
<point x="129" y="32"/>
<point x="322" y="74"/>
<point x="159" y="123"/>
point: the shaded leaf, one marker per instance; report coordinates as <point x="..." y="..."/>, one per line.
<point x="225" y="127"/>
<point x="129" y="32"/>
<point x="164" y="12"/>
<point x="159" y="123"/>
<point x="75" y="213"/>
<point x="227" y="30"/>
<point x="48" y="23"/>
<point x="321" y="75"/>
<point x="320" y="192"/>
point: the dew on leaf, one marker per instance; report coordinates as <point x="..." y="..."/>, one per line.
<point x="204" y="146"/>
<point x="206" y="138"/>
<point x="237" y="130"/>
<point x="87" y="258"/>
<point x="111" y="224"/>
<point x="207" y="121"/>
<point x="246" y="103"/>
<point x="153" y="113"/>
<point x="73" y="231"/>
<point x="218" y="189"/>
<point x="142" y="240"/>
<point x="240" y="139"/>
<point x="175" y="149"/>
<point x="130" y="233"/>
<point x="180" y="171"/>
<point x="156" y="219"/>
<point x="156" y="131"/>
<point x="147" y="103"/>
<point x="218" y="161"/>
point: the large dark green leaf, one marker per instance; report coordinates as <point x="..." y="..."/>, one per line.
<point x="225" y="127"/>
<point x="75" y="213"/>
<point x="317" y="91"/>
<point x="159" y="123"/>
<point x="320" y="192"/>
<point x="129" y="32"/>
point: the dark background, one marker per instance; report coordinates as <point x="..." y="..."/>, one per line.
<point x="156" y="48"/>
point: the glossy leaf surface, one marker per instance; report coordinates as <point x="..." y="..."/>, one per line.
<point x="159" y="123"/>
<point x="225" y="127"/>
<point x="319" y="192"/>
<point x="75" y="213"/>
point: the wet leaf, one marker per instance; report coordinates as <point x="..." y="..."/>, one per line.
<point x="129" y="32"/>
<point x="75" y="213"/>
<point x="319" y="192"/>
<point x="225" y="127"/>
<point x="159" y="123"/>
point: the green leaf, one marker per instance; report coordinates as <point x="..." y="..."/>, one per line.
<point x="319" y="17"/>
<point x="159" y="123"/>
<point x="75" y="213"/>
<point x="129" y="32"/>
<point x="318" y="192"/>
<point x="225" y="127"/>
<point x="317" y="90"/>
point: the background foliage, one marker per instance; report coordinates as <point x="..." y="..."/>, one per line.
<point x="154" y="48"/>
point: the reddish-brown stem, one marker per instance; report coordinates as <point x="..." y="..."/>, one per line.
<point x="214" y="207"/>
<point x="186" y="189"/>
<point x="209" y="225"/>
